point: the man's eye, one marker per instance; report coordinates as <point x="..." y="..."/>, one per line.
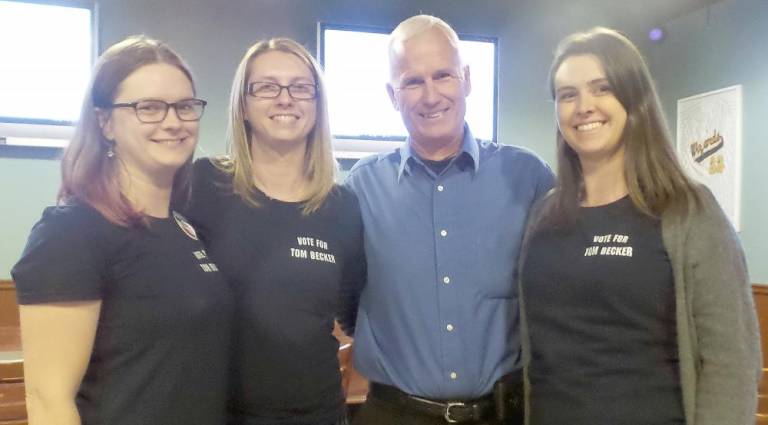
<point x="413" y="84"/>
<point x="443" y="76"/>
<point x="566" y="96"/>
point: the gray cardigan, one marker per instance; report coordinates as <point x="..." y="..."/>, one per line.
<point x="717" y="333"/>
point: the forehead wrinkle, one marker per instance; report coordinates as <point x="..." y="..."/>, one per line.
<point x="403" y="71"/>
<point x="427" y="41"/>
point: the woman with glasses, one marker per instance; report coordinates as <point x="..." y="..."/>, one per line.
<point x="124" y="318"/>
<point x="287" y="238"/>
<point x="639" y="308"/>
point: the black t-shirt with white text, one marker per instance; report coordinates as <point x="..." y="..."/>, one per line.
<point x="600" y="307"/>
<point x="161" y="348"/>
<point x="289" y="272"/>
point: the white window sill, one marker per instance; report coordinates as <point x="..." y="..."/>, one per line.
<point x="356" y="148"/>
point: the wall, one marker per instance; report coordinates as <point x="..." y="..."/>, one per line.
<point x="718" y="47"/>
<point x="212" y="36"/>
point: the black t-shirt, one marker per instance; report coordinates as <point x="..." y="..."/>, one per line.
<point x="289" y="272"/>
<point x="439" y="166"/>
<point x="161" y="348"/>
<point x="601" y="313"/>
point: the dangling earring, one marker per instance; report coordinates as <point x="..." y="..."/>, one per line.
<point x="110" y="151"/>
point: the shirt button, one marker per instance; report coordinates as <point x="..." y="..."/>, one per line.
<point x="454" y="375"/>
<point x="443" y="233"/>
<point x="446" y="280"/>
<point x="440" y="188"/>
<point x="449" y="327"/>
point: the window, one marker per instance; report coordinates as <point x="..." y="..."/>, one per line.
<point x="45" y="63"/>
<point x="356" y="69"/>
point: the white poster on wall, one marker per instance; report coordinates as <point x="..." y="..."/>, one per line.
<point x="709" y="144"/>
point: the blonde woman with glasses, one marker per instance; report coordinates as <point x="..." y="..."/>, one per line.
<point x="288" y="239"/>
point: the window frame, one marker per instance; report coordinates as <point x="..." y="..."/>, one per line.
<point x="48" y="129"/>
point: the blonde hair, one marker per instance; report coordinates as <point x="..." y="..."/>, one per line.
<point x="320" y="166"/>
<point x="87" y="174"/>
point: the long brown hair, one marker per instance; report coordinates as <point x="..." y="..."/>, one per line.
<point x="88" y="174"/>
<point x="654" y="178"/>
<point x="320" y="166"/>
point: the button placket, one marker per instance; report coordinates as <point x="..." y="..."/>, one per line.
<point x="450" y="340"/>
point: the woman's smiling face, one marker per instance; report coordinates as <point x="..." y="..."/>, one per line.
<point x="589" y="116"/>
<point x="282" y="119"/>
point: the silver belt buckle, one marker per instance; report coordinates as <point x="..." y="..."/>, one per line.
<point x="447" y="414"/>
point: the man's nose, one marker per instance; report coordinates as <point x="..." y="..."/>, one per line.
<point x="431" y="92"/>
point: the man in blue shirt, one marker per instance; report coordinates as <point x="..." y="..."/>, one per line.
<point x="444" y="216"/>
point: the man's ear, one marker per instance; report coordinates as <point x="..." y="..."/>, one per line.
<point x="104" y="118"/>
<point x="392" y="98"/>
<point x="467" y="81"/>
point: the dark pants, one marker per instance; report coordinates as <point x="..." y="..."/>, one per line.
<point x="377" y="412"/>
<point x="235" y="421"/>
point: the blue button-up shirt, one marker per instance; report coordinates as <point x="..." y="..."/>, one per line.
<point x="439" y="315"/>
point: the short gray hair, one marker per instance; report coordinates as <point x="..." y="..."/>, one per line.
<point x="414" y="26"/>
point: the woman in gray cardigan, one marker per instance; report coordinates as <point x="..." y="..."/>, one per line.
<point x="638" y="308"/>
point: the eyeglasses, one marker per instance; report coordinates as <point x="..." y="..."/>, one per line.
<point x="154" y="111"/>
<point x="267" y="90"/>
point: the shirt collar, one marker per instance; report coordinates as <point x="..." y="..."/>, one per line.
<point x="468" y="146"/>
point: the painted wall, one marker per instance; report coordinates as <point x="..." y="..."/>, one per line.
<point x="212" y="37"/>
<point x="714" y="48"/>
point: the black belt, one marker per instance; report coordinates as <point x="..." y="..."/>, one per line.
<point x="452" y="411"/>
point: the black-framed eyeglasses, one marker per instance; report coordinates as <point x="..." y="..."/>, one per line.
<point x="152" y="111"/>
<point x="270" y="90"/>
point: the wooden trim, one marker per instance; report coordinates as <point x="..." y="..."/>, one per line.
<point x="760" y="294"/>
<point x="11" y="371"/>
<point x="9" y="309"/>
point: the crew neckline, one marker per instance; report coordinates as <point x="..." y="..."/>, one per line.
<point x="617" y="202"/>
<point x="278" y="201"/>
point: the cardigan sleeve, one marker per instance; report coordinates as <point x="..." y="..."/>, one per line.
<point x="728" y="361"/>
